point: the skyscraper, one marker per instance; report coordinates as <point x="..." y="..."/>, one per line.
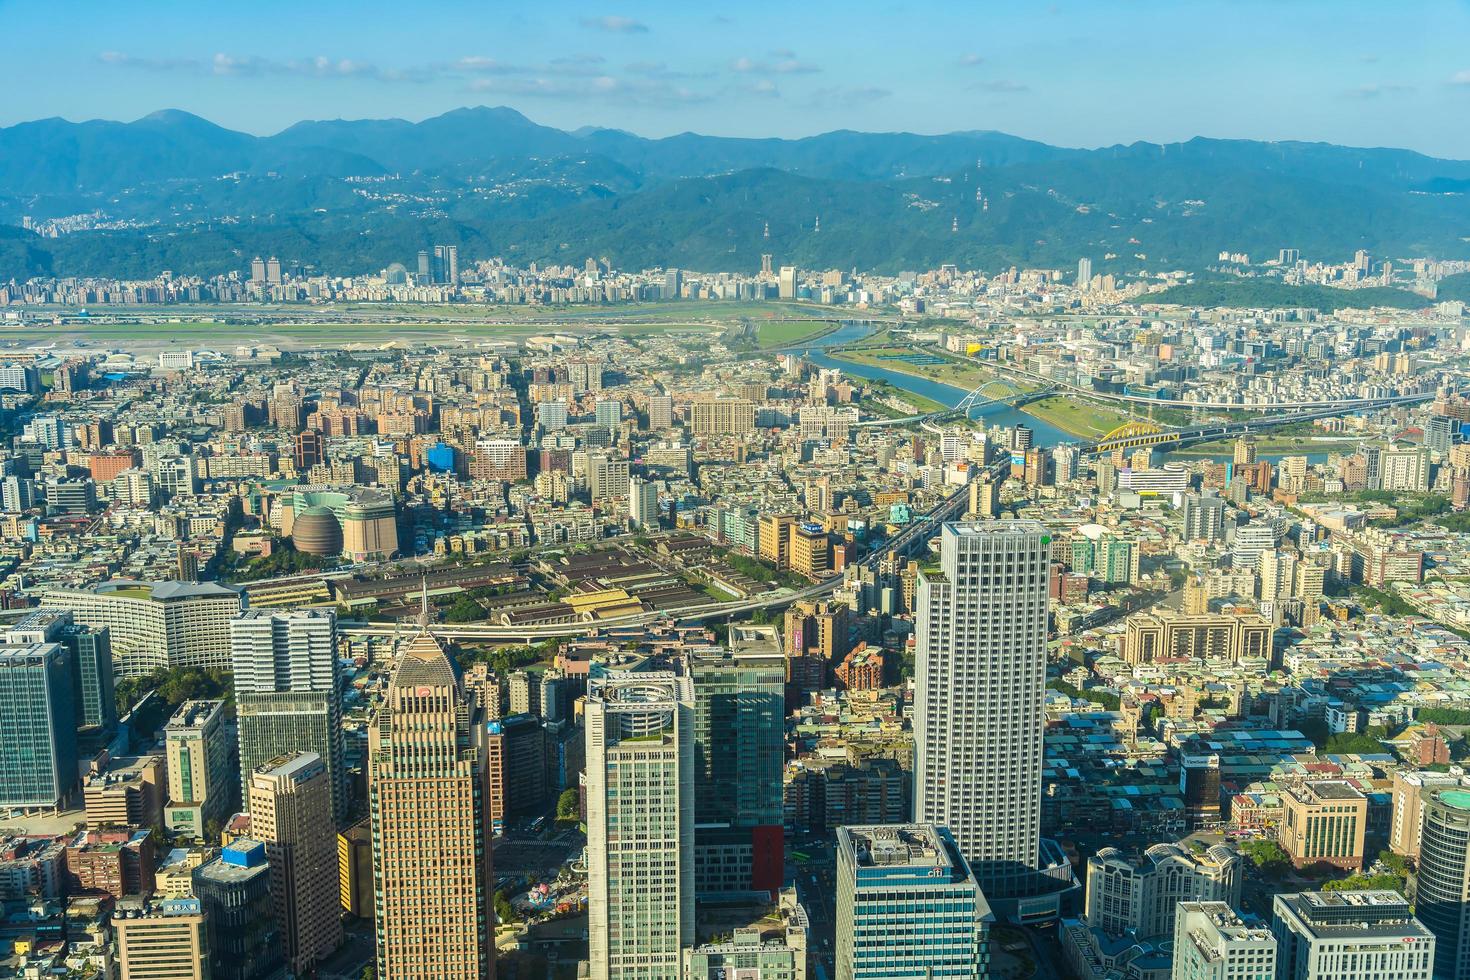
<point x="786" y="282"/>
<point x="1442" y="897"/>
<point x="431" y="836"/>
<point x="907" y="906"/>
<point x="660" y="413"/>
<point x="38" y="749"/>
<point x="980" y="673"/>
<point x="640" y="823"/>
<point x="288" y="692"/>
<point x="739" y="746"/>
<point x="1084" y="274"/>
<point x="290" y="806"/>
<point x="234" y="891"/>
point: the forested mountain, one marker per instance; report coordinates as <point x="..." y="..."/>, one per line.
<point x="351" y="196"/>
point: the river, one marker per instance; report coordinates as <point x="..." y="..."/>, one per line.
<point x="1043" y="433"/>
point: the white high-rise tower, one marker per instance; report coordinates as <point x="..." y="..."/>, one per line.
<point x="981" y="672"/>
<point x="640" y="823"/>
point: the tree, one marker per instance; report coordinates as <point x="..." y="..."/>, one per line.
<point x="504" y="914"/>
<point x="569" y="805"/>
<point x="1266" y="855"/>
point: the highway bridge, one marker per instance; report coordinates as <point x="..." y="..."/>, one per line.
<point x="916" y="533"/>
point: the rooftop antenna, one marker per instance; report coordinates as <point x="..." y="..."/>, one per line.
<point x="424" y="602"/>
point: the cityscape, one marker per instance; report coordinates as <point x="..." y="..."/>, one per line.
<point x="475" y="547"/>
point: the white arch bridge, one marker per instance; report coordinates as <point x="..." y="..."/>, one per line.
<point x="997" y="391"/>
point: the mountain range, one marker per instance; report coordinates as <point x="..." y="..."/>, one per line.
<point x="350" y="196"/>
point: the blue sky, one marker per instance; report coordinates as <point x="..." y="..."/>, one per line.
<point x="1073" y="72"/>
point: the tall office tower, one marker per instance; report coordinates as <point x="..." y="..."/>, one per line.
<point x="234" y="891"/>
<point x="1411" y="788"/>
<point x="660" y="413"/>
<point x="257" y="269"/>
<point x="90" y="652"/>
<point x="1084" y="274"/>
<point x="446" y="264"/>
<point x="739" y="746"/>
<point x="1212" y="943"/>
<point x="426" y="273"/>
<point x="290" y="808"/>
<point x="1138" y="895"/>
<point x="978" y="719"/>
<point x="1064" y="463"/>
<point x="1350" y="936"/>
<point x="160" y="940"/>
<point x="908" y="906"/>
<point x="786" y="282"/>
<point x="431" y="836"/>
<point x="640" y="823"/>
<point x="1442" y="897"/>
<point x="643" y="503"/>
<point x="766" y="258"/>
<point x="1204" y="518"/>
<point x="273" y="271"/>
<point x="199" y="778"/>
<point x="288" y="694"/>
<point x="38" y="734"/>
<point x="673" y="284"/>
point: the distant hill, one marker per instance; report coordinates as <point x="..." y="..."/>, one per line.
<point x="1268" y="293"/>
<point x="352" y="195"/>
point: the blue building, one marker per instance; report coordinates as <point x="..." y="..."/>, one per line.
<point x="908" y="906"/>
<point x="440" y="458"/>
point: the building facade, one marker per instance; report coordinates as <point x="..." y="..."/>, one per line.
<point x="908" y="906"/>
<point x="978" y="719"/>
<point x="640" y="824"/>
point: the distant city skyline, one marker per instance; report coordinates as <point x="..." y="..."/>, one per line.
<point x="1072" y="73"/>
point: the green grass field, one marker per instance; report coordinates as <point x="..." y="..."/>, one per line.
<point x="1078" y="417"/>
<point x="784" y="333"/>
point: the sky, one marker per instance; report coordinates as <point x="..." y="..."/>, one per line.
<point x="1070" y="72"/>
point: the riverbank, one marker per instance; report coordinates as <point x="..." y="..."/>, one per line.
<point x="1279" y="445"/>
<point x="1077" y="416"/>
<point x="889" y="359"/>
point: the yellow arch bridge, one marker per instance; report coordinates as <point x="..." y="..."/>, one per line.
<point x="1134" y="434"/>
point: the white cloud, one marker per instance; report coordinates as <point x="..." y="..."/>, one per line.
<point x="613" y="24"/>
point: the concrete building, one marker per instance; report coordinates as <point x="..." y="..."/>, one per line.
<point x="161" y="940"/>
<point x="1324" y="823"/>
<point x="431" y="864"/>
<point x="355" y="870"/>
<point x="38" y="748"/>
<point x="157" y="625"/>
<point x="1212" y="943"/>
<point x="721" y="416"/>
<point x="978" y="718"/>
<point x="1350" y="936"/>
<point x="1442" y="881"/>
<point x="200" y="790"/>
<point x="1136" y="896"/>
<point x="908" y="906"/>
<point x="288" y="692"/>
<point x="290" y="806"/>
<point x="640" y="824"/>
<point x="643" y="504"/>
<point x="1406" y="818"/>
<point x="1167" y="633"/>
